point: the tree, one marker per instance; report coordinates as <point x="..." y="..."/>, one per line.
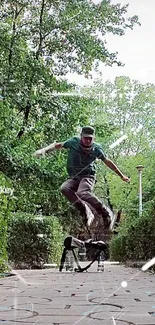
<point x="124" y="107"/>
<point x="43" y="39"/>
<point x="40" y="42"/>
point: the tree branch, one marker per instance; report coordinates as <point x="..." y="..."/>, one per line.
<point x="40" y="30"/>
<point x="12" y="43"/>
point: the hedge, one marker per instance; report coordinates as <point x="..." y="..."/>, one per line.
<point x="34" y="240"/>
<point x="6" y="204"/>
<point x="135" y="241"/>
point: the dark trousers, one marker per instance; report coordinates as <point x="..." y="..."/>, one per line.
<point x="78" y="191"/>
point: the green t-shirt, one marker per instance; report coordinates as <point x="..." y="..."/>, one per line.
<point x="79" y="162"/>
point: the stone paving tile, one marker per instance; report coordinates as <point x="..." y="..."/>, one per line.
<point x="53" y="298"/>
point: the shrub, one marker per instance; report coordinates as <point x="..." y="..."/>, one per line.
<point x="5" y="208"/>
<point x="28" y="250"/>
<point x="118" y="248"/>
<point x="135" y="241"/>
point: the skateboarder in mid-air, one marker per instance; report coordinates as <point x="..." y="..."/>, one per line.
<point x="82" y="153"/>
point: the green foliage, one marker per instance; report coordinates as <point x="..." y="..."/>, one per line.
<point x="41" y="41"/>
<point x="3" y="244"/>
<point x="135" y="240"/>
<point x="118" y="248"/>
<point x="124" y="107"/>
<point x="26" y="248"/>
<point x="129" y="108"/>
<point x="6" y="203"/>
<point x="50" y="38"/>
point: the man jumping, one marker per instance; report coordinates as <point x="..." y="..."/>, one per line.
<point x="78" y="188"/>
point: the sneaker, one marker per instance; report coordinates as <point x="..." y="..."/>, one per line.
<point x="88" y="216"/>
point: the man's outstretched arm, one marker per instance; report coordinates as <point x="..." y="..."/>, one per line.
<point x="48" y="149"/>
<point x="113" y="167"/>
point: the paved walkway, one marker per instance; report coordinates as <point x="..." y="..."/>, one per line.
<point x="53" y="298"/>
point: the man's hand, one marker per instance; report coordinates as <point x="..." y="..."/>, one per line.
<point x="125" y="178"/>
<point x="39" y="153"/>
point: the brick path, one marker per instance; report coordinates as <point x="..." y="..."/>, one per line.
<point x="49" y="297"/>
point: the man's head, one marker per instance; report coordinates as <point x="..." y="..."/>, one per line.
<point x="87" y="136"/>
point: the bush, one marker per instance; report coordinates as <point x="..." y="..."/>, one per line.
<point x="3" y="244"/>
<point x="28" y="250"/>
<point x="118" y="248"/>
<point x="136" y="241"/>
<point x="5" y="208"/>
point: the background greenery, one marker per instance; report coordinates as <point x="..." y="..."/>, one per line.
<point x="41" y="41"/>
<point x="34" y="240"/>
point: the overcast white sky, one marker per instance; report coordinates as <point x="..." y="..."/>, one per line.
<point x="136" y="48"/>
